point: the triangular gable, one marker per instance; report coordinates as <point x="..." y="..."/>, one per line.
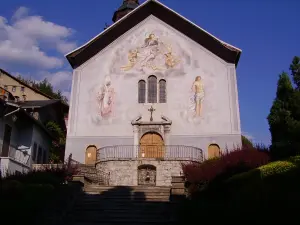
<point x="223" y="50"/>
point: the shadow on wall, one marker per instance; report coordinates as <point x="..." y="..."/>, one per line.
<point x="130" y="205"/>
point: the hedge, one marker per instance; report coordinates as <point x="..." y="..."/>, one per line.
<point x="269" y="194"/>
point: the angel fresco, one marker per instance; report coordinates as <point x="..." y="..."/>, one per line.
<point x="153" y="54"/>
<point x="106" y="98"/>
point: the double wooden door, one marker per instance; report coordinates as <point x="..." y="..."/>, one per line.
<point x="152" y="146"/>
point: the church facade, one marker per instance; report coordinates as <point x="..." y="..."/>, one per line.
<point x="150" y="92"/>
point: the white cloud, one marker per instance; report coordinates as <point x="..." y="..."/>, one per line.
<point x="65" y="47"/>
<point x="26" y="39"/>
<point x="20" y="12"/>
<point x="60" y="80"/>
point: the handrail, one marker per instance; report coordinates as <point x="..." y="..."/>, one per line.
<point x="17" y="155"/>
<point x="166" y="152"/>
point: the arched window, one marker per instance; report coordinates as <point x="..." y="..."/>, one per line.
<point x="152" y="89"/>
<point x="142" y="91"/>
<point x="162" y="91"/>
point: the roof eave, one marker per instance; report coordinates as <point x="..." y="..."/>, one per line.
<point x="72" y="55"/>
<point x="107" y="29"/>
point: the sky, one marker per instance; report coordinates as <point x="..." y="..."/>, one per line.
<point x="35" y="35"/>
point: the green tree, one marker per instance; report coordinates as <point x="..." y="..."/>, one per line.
<point x="295" y="70"/>
<point x="58" y="144"/>
<point x="280" y="118"/>
<point x="284" y="117"/>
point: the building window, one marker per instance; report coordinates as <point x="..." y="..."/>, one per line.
<point x="22" y="89"/>
<point x="34" y="152"/>
<point x="142" y="91"/>
<point x="162" y="91"/>
<point x="5" y="87"/>
<point x="14" y="88"/>
<point x="152" y="89"/>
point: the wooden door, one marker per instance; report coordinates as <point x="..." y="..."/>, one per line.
<point x="152" y="146"/>
<point x="214" y="151"/>
<point x="91" y="155"/>
<point x="6" y="140"/>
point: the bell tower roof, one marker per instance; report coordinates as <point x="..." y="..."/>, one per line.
<point x="126" y="7"/>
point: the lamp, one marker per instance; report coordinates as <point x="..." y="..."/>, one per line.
<point x="143" y="155"/>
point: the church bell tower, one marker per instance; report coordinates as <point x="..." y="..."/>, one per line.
<point x="126" y="7"/>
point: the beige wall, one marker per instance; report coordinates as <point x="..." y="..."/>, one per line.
<point x="16" y="88"/>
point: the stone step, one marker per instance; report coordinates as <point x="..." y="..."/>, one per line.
<point x="113" y="218"/>
<point x="124" y="201"/>
<point x="126" y="198"/>
<point x="116" y="191"/>
<point x="121" y="204"/>
<point x="123" y="223"/>
<point x="124" y="208"/>
<point x="126" y="188"/>
<point x="96" y="194"/>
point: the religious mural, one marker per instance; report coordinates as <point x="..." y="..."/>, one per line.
<point x="154" y="54"/>
<point x="197" y="97"/>
<point x="101" y="106"/>
<point x="193" y="111"/>
<point x="151" y="50"/>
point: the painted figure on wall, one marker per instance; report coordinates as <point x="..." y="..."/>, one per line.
<point x="153" y="54"/>
<point x="106" y="98"/>
<point x="198" y="97"/>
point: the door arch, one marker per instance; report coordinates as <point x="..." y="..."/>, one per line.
<point x="214" y="151"/>
<point x="152" y="146"/>
<point x="91" y="155"/>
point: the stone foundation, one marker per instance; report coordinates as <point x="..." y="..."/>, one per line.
<point x="125" y="173"/>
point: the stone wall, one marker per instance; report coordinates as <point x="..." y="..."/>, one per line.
<point x="126" y="172"/>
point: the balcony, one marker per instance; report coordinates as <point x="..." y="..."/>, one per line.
<point x="130" y="152"/>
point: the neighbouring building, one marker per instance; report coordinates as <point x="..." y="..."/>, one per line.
<point x="24" y="139"/>
<point x="151" y="91"/>
<point x="19" y="89"/>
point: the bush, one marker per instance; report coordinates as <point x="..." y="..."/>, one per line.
<point x="53" y="176"/>
<point x="214" y="171"/>
<point x="265" y="195"/>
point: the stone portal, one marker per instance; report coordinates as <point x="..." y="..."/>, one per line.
<point x="147" y="175"/>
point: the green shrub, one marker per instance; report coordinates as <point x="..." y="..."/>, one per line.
<point x="268" y="194"/>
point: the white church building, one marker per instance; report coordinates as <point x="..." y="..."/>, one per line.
<point x="150" y="92"/>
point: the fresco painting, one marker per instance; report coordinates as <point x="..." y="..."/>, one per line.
<point x="153" y="54"/>
<point x="150" y="54"/>
<point x="198" y="96"/>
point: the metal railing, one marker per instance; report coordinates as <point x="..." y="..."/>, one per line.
<point x="17" y="155"/>
<point x="168" y="152"/>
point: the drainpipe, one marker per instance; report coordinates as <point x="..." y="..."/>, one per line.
<point x="12" y="112"/>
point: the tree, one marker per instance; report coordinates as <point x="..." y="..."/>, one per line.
<point x="280" y="118"/>
<point x="284" y="117"/>
<point x="295" y="70"/>
<point x="58" y="144"/>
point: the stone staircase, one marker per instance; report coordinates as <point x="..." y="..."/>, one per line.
<point x="122" y="205"/>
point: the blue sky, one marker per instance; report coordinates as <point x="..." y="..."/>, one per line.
<point x="35" y="35"/>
